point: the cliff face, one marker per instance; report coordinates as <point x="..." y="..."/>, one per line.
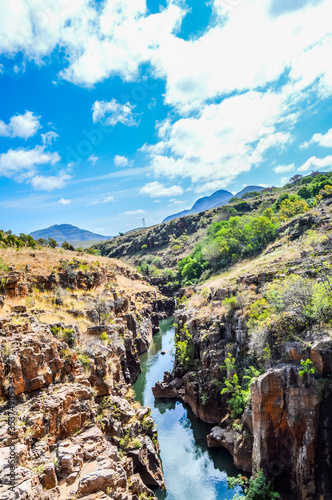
<point x="77" y="429"/>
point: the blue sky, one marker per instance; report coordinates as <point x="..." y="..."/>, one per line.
<point x="112" y="110"/>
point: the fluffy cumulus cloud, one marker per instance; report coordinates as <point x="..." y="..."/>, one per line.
<point x="64" y="201"/>
<point x="23" y="161"/>
<point x="48" y="183"/>
<point x="281" y="169"/>
<point x="100" y="39"/>
<point x="23" y="126"/>
<point x="324" y="140"/>
<point x="116" y="36"/>
<point x="111" y="113"/>
<point x="223" y="141"/>
<point x="225" y="83"/>
<point x="156" y="189"/>
<point x="315" y="163"/>
<point x="121" y="161"/>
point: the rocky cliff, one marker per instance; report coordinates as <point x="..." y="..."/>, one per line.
<point x="69" y="345"/>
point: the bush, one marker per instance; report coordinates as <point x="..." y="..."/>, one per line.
<point x="255" y="488"/>
<point x="289" y="208"/>
<point x="104" y="336"/>
<point x="238" y="388"/>
<point x="308" y="368"/>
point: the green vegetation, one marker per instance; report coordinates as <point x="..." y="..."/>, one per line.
<point x="227" y="243"/>
<point x="237" y="386"/>
<point x="65" y="334"/>
<point x="255" y="488"/>
<point x="7" y="239"/>
<point x="308" y="368"/>
<point x="290" y="306"/>
<point x="184" y="350"/>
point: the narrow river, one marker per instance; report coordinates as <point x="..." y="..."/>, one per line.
<point x="192" y="471"/>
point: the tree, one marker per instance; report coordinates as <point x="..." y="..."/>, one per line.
<point x="42" y="242"/>
<point x="52" y="243"/>
<point x="295" y="179"/>
<point x="67" y="246"/>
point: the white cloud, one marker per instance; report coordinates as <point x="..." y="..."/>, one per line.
<point x="223" y="141"/>
<point x="324" y="140"/>
<point x="23" y="126"/>
<point x="115" y="37"/>
<point x="314" y="164"/>
<point x="134" y="212"/>
<point x="93" y="159"/>
<point x="49" y="137"/>
<point x="217" y="63"/>
<point x="210" y="187"/>
<point x="175" y="202"/>
<point x="122" y="161"/>
<point x="102" y="200"/>
<point x="48" y="183"/>
<point x="63" y="201"/>
<point x="283" y="181"/>
<point x="115" y="113"/>
<point x="281" y="169"/>
<point x="24" y="161"/>
<point x="156" y="189"/>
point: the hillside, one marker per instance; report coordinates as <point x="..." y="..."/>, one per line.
<point x="67" y="232"/>
<point x="159" y="248"/>
<point x="248" y="189"/>
<point x="71" y="330"/>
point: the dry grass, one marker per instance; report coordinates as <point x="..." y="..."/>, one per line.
<point x="43" y="260"/>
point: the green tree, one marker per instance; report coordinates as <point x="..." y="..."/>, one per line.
<point x="52" y="243"/>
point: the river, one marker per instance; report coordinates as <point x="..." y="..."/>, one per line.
<point x="192" y="470"/>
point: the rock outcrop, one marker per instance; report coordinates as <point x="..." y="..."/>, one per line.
<point x="77" y="429"/>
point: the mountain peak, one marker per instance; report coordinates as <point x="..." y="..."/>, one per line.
<point x="67" y="232"/>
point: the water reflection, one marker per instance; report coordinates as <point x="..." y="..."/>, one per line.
<point x="192" y="470"/>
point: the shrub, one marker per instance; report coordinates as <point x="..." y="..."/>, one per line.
<point x="104" y="336"/>
<point x="84" y="360"/>
<point x="238" y="388"/>
<point x="184" y="349"/>
<point x="289" y="208"/>
<point x="255" y="488"/>
<point x="308" y="368"/>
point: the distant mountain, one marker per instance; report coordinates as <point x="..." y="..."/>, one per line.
<point x="69" y="233"/>
<point x="215" y="200"/>
<point x="249" y="189"/>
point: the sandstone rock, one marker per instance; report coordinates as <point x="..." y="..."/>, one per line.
<point x="285" y="421"/>
<point x="48" y="477"/>
<point x="19" y="309"/>
<point x="101" y="479"/>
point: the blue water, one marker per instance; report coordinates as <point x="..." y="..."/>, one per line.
<point x="191" y="470"/>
